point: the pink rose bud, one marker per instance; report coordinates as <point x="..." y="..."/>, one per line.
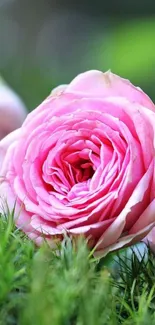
<point x="83" y="162"/>
<point x="12" y="110"/>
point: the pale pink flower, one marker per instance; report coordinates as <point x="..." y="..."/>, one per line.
<point x="12" y="110"/>
<point x="83" y="163"/>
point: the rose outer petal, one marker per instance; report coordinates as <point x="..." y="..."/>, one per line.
<point x="98" y="84"/>
<point x="5" y="143"/>
<point x="124" y="241"/>
<point x="113" y="233"/>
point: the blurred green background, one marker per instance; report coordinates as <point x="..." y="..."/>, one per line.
<point x="44" y="43"/>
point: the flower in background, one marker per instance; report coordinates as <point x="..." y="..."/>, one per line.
<point x="12" y="110"/>
<point x="83" y="163"/>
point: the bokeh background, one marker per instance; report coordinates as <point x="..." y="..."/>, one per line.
<point x="44" y="43"/>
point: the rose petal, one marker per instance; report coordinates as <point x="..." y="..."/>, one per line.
<point x="97" y="84"/>
<point x="124" y="241"/>
<point x="115" y="230"/>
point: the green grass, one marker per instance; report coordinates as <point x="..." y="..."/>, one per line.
<point x="39" y="286"/>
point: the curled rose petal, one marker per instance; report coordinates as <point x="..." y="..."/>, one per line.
<point x="83" y="163"/>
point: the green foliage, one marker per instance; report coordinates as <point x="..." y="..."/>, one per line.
<point x="40" y="286"/>
<point x="135" y="283"/>
<point x="131" y="48"/>
<point x="129" y="51"/>
<point x="16" y="253"/>
<point x="29" y="82"/>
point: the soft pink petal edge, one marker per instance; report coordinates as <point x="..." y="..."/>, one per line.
<point x="6" y="142"/>
<point x="95" y="83"/>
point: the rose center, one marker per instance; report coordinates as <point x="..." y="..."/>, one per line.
<point x="70" y="170"/>
<point x="82" y="170"/>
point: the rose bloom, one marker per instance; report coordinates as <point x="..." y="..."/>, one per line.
<point x="12" y="110"/>
<point x="83" y="163"/>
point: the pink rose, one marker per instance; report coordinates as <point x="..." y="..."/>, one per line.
<point x="83" y="162"/>
<point x="12" y="110"/>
